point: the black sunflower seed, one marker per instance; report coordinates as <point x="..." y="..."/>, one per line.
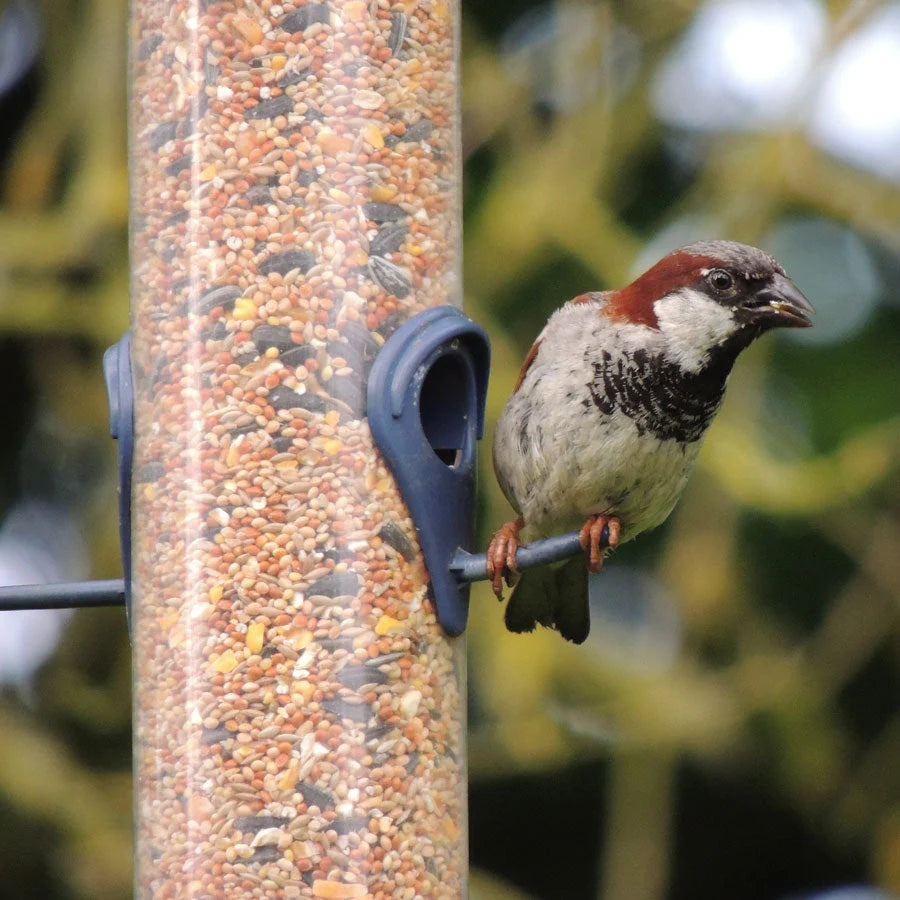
<point x="265" y="854"/>
<point x="177" y="217"/>
<point x="259" y="195"/>
<point x="148" y="45"/>
<point x="338" y="554"/>
<point x="334" y="644"/>
<point x="238" y="430"/>
<point x="362" y="348"/>
<point x="384" y="212"/>
<point x="392" y="278"/>
<point x="216" y="333"/>
<point x="291" y="77"/>
<point x="377" y="732"/>
<point x="348" y="352"/>
<point x="304" y="179"/>
<point x="392" y="534"/>
<point x="349" y="389"/>
<point x="418" y="131"/>
<point x="282" y="397"/>
<point x="352" y="67"/>
<point x="275" y="106"/>
<point x="383" y="659"/>
<point x="356" y="712"/>
<point x="179" y="285"/>
<point x="179" y="165"/>
<point x="348" y="824"/>
<point x="302" y="18"/>
<point x="297" y="355"/>
<point x="283" y="444"/>
<point x="314" y="796"/>
<point x="355" y="677"/>
<point x="224" y="295"/>
<point x="398" y="32"/>
<point x="267" y="336"/>
<point x="217" y="735"/>
<point x="286" y="261"/>
<point x="388" y="240"/>
<point x="336" y="584"/>
<point x="163" y="133"/>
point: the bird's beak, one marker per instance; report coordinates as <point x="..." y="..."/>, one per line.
<point x="780" y="304"/>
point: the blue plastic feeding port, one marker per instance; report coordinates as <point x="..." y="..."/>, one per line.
<point x="426" y="397"/>
<point x="120" y="391"/>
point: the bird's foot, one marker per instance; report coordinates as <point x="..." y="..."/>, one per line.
<point x="501" y="556"/>
<point x="598" y="533"/>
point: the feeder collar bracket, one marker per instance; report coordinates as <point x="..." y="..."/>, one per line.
<point x="120" y="391"/>
<point x="425" y="400"/>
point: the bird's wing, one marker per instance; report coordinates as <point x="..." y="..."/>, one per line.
<point x="532" y="355"/>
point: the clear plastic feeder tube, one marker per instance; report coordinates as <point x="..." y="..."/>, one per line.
<point x="299" y="713"/>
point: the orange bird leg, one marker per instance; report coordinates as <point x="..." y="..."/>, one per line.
<point x="591" y="538"/>
<point x="501" y="556"/>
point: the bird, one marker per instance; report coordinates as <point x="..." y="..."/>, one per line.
<point x="610" y="409"/>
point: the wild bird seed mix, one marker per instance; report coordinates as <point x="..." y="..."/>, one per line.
<point x="299" y="713"/>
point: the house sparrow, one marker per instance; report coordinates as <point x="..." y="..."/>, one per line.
<point x="610" y="410"/>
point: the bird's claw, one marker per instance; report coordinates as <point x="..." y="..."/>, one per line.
<point x="598" y="533"/>
<point x="501" y="556"/>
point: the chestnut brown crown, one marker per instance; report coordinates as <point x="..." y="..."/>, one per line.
<point x="740" y="277"/>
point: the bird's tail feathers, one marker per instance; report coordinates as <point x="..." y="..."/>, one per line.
<point x="555" y="597"/>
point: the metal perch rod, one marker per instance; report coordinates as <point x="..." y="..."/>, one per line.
<point x="464" y="565"/>
<point x="70" y="595"/>
<point x="473" y="566"/>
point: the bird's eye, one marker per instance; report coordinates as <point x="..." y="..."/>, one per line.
<point x="721" y="280"/>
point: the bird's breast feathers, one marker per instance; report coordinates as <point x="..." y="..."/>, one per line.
<point x="600" y="423"/>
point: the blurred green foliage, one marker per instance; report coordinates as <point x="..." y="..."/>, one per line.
<point x="732" y="728"/>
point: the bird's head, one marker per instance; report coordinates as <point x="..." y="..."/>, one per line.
<point x="711" y="298"/>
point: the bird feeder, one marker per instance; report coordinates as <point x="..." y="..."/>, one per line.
<point x="299" y="710"/>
